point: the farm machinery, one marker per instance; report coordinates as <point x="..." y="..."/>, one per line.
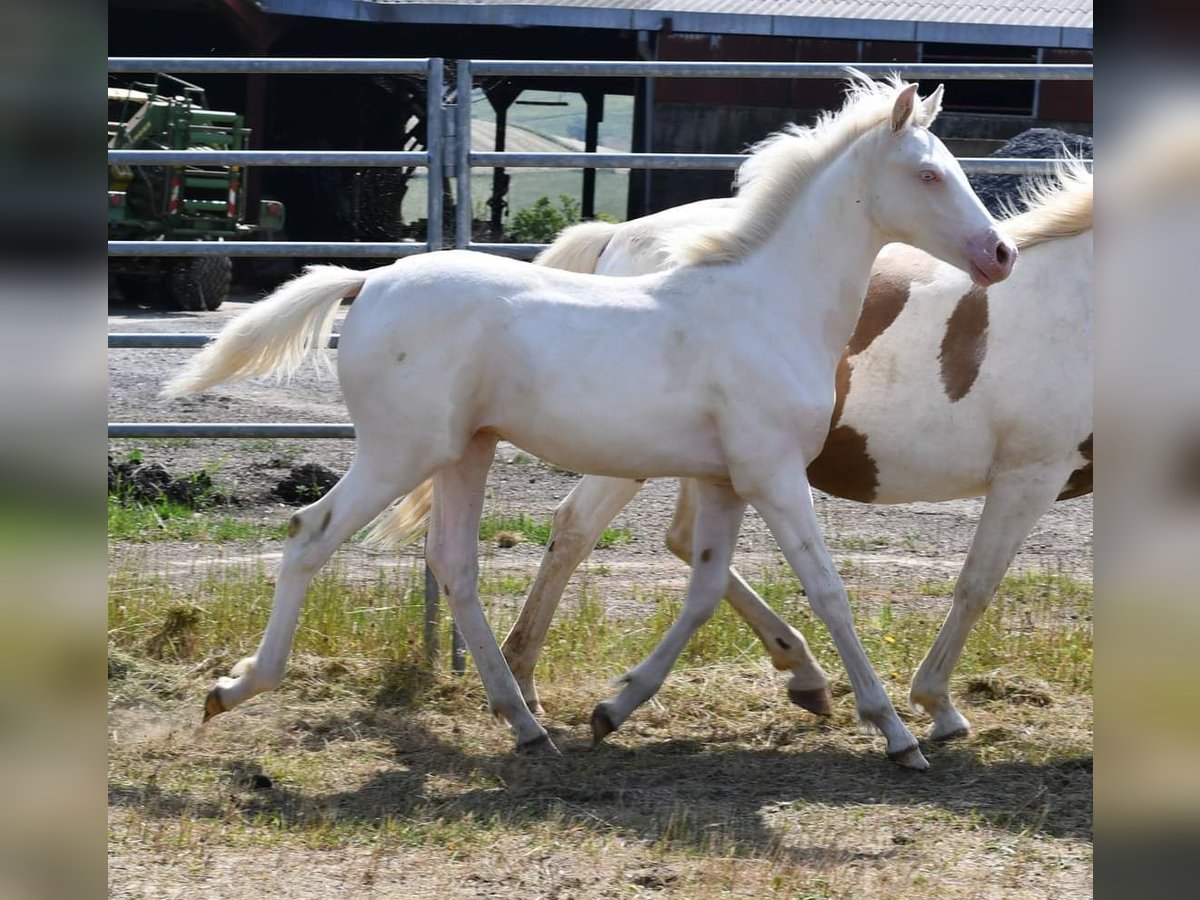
<point x="195" y="202"/>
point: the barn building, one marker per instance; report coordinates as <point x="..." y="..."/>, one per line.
<point x="684" y="115"/>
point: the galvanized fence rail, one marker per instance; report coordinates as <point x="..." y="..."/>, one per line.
<point x="448" y="154"/>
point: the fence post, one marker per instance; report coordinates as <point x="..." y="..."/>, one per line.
<point x="464" y="211"/>
<point x="435" y="146"/>
<point x="433" y="614"/>
<point x="462" y="238"/>
<point x="434" y="133"/>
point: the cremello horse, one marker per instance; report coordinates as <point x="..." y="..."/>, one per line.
<point x="714" y="370"/>
<point x="944" y="391"/>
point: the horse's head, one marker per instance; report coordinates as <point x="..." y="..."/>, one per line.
<point x="920" y="196"/>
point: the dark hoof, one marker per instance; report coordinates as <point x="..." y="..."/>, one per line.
<point x="213" y="705"/>
<point x="815" y="700"/>
<point x="539" y="746"/>
<point x="602" y="724"/>
<point x="910" y="758"/>
<point x="956" y="735"/>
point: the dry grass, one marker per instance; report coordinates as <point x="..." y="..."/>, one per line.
<point x="368" y="774"/>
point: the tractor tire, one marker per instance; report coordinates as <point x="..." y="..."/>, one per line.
<point x="198" y="283"/>
<point x="141" y="288"/>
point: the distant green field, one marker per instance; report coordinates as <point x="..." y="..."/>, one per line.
<point x="526" y="186"/>
<point x="616" y="129"/>
<point x="612" y="188"/>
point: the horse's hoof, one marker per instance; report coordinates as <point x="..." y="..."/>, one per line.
<point x="539" y="746"/>
<point x="213" y="705"/>
<point x="815" y="700"/>
<point x="910" y="758"/>
<point x="602" y="724"/>
<point x="956" y="734"/>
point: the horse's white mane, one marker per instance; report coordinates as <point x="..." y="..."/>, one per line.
<point x="779" y="166"/>
<point x="1056" y="206"/>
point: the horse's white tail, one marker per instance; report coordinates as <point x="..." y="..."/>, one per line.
<point x="275" y="334"/>
<point x="578" y="248"/>
<point x="404" y="521"/>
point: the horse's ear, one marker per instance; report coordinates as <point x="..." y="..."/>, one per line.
<point x="903" y="109"/>
<point x="933" y="105"/>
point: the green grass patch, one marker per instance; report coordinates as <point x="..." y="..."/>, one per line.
<point x="538" y="532"/>
<point x="373" y="618"/>
<point x="504" y="584"/>
<point x="165" y="520"/>
<point x="1039" y="626"/>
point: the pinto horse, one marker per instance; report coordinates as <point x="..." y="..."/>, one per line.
<point x="945" y="390"/>
<point x="715" y="369"/>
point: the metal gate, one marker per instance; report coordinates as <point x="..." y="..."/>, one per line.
<point x="448" y="154"/>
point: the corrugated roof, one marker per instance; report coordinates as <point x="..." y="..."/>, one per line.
<point x="1041" y="23"/>
<point x="1059" y="13"/>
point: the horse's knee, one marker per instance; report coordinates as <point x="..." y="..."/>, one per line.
<point x="971" y="599"/>
<point x="306" y="529"/>
<point x="437" y="557"/>
<point x="564" y="517"/>
<point x="701" y="604"/>
<point x="454" y="578"/>
<point x="571" y="528"/>
<point x="679" y="540"/>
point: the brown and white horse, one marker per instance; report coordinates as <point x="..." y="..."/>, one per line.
<point x="945" y="390"/>
<point x="445" y="354"/>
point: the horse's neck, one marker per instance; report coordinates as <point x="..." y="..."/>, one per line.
<point x="816" y="266"/>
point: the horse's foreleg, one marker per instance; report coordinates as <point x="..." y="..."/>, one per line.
<point x="313" y="535"/>
<point x="809" y="686"/>
<point x="452" y="549"/>
<point x="718" y="519"/>
<point x="1015" y="501"/>
<point x="784" y="499"/>
<point x="579" y="521"/>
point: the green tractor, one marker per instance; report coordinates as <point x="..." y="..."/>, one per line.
<point x="177" y="203"/>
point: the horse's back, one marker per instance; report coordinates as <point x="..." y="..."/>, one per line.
<point x="569" y="366"/>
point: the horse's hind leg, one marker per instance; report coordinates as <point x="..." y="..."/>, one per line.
<point x="809" y="686"/>
<point x="452" y="549"/>
<point x="313" y="534"/>
<point x="1014" y="503"/>
<point x="718" y="519"/>
<point x="578" y="523"/>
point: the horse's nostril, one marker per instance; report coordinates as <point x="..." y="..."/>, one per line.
<point x="1002" y="254"/>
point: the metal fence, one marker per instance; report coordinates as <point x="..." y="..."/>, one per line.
<point x="448" y="154"/>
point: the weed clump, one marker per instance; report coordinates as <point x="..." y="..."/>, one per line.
<point x="999" y="687"/>
<point x="132" y="481"/>
<point x="178" y="636"/>
<point x="306" y="484"/>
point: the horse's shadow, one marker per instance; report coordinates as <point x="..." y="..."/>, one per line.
<point x="676" y="789"/>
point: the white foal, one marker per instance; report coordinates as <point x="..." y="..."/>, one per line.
<point x="714" y="370"/>
<point x="944" y="391"/>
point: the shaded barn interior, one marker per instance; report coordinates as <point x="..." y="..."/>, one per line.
<point x="669" y="115"/>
